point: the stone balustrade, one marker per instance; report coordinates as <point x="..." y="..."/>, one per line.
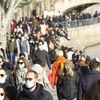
<point x="82" y="37"/>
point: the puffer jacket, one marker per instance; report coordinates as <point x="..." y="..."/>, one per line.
<point x="38" y="94"/>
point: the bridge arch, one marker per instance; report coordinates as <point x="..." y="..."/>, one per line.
<point x="69" y="5"/>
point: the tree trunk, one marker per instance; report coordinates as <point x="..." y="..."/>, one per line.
<point x="5" y="31"/>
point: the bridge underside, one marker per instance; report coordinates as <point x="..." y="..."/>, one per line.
<point x="79" y="7"/>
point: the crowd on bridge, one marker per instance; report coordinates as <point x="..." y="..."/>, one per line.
<point x="36" y="62"/>
<point x="75" y="15"/>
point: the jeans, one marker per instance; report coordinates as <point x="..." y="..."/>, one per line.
<point x="12" y="57"/>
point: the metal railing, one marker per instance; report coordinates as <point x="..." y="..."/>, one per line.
<point x="79" y="23"/>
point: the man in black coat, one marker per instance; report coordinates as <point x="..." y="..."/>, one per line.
<point x="87" y="80"/>
<point x="32" y="90"/>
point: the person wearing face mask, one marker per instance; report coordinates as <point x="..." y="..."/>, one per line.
<point x="7" y="67"/>
<point x="20" y="71"/>
<point x="87" y="80"/>
<point x="33" y="90"/>
<point x="42" y="77"/>
<point x="3" y="77"/>
<point x="3" y="95"/>
<point x="9" y="89"/>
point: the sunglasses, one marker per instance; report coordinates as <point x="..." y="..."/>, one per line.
<point x="2" y="75"/>
<point x="20" y="63"/>
<point x="2" y="94"/>
<point x="26" y="79"/>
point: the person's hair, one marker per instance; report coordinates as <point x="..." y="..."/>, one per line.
<point x="93" y="92"/>
<point x="32" y="71"/>
<point x="27" y="65"/>
<point x="67" y="69"/>
<point x="88" y="59"/>
<point x="93" y="64"/>
<point x="22" y="54"/>
<point x="2" y="58"/>
<point x="3" y="70"/>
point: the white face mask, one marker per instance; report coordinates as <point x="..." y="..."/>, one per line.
<point x="30" y="83"/>
<point x="21" y="66"/>
<point x="1" y="97"/>
<point x="3" y="80"/>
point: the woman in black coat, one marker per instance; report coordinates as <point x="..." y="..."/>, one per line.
<point x="67" y="83"/>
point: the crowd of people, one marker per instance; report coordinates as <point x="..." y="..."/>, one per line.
<point x="36" y="62"/>
<point x="75" y="15"/>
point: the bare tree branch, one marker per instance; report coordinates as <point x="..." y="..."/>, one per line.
<point x="5" y="4"/>
<point x="21" y="3"/>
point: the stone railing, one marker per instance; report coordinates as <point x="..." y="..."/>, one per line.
<point x="79" y="23"/>
<point x="83" y="37"/>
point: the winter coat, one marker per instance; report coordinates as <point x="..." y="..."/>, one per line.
<point x="38" y="94"/>
<point x="24" y="46"/>
<point x="20" y="77"/>
<point x="11" y="91"/>
<point x="67" y="87"/>
<point x="11" y="47"/>
<point x="10" y="79"/>
<point x="42" y="58"/>
<point x="85" y="82"/>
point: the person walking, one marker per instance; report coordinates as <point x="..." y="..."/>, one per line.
<point x="11" y="50"/>
<point x="87" y="80"/>
<point x="32" y="90"/>
<point x="20" y="71"/>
